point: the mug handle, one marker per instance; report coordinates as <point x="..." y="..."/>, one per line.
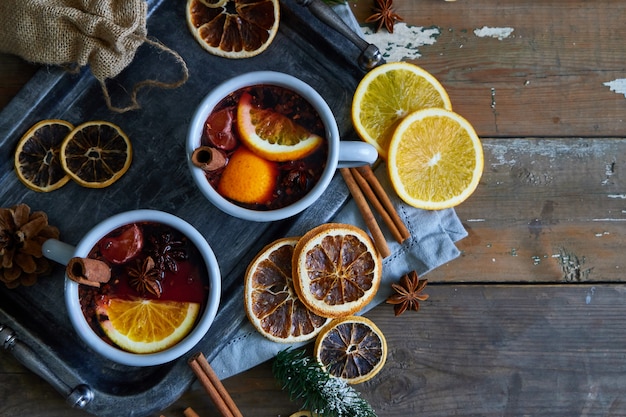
<point x="354" y="153"/>
<point x="58" y="251"/>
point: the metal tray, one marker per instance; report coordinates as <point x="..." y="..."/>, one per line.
<point x="158" y="179"/>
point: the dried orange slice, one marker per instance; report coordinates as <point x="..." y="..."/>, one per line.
<point x="337" y="269"/>
<point x="272" y="135"/>
<point x="146" y="326"/>
<point x="96" y="154"/>
<point x="37" y="162"/>
<point x="272" y="305"/>
<point x="233" y="28"/>
<point x="387" y="94"/>
<point x="352" y="348"/>
<point x="435" y="159"/>
<point x="248" y="178"/>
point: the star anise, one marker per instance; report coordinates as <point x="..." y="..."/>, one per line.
<point x="167" y="252"/>
<point x="408" y="293"/>
<point x="145" y="278"/>
<point x="299" y="177"/>
<point x="384" y="14"/>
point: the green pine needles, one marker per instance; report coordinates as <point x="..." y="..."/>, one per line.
<point x="322" y="394"/>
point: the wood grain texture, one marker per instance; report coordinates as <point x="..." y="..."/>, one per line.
<point x="546" y="78"/>
<point x="546" y="210"/>
<point x="472" y="350"/>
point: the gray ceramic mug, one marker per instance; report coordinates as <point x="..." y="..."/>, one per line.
<point x="62" y="253"/>
<point x="341" y="154"/>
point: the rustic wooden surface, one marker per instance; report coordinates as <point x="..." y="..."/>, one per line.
<point x="529" y="320"/>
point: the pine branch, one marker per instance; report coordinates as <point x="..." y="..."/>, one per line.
<point x="305" y="380"/>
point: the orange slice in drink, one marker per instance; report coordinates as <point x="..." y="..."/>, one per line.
<point x="248" y="178"/>
<point x="233" y="28"/>
<point x="352" y="348"/>
<point x="272" y="135"/>
<point x="146" y="326"/>
<point x="337" y="269"/>
<point x="37" y="162"/>
<point x="272" y="304"/>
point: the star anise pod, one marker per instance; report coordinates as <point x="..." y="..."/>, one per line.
<point x="167" y="252"/>
<point x="145" y="278"/>
<point x="299" y="177"/>
<point x="384" y="14"/>
<point x="408" y="293"/>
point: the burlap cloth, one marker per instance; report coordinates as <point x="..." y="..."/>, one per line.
<point x="101" y="34"/>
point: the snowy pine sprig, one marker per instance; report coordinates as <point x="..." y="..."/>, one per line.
<point x="321" y="393"/>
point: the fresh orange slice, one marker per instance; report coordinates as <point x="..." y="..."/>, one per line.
<point x="272" y="305"/>
<point x="37" y="162"/>
<point x="233" y="28"/>
<point x="96" y="154"/>
<point x="352" y="348"/>
<point x="387" y="94"/>
<point x="435" y="159"/>
<point x="248" y="178"/>
<point x="146" y="326"/>
<point x="337" y="269"/>
<point x="272" y="135"/>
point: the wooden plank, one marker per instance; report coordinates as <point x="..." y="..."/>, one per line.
<point x="546" y="210"/>
<point x="472" y="350"/>
<point x="483" y="350"/>
<point x="546" y="78"/>
<point x="16" y="72"/>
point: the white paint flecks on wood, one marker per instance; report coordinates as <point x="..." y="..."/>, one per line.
<point x="403" y="43"/>
<point x="617" y="86"/>
<point x="498" y="33"/>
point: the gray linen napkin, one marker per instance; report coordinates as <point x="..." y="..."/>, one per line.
<point x="432" y="243"/>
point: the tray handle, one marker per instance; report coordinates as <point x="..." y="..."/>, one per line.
<point x="370" y="54"/>
<point x="77" y="397"/>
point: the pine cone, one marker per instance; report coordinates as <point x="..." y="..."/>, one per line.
<point x="22" y="234"/>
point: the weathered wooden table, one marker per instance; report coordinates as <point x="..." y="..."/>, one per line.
<point x="529" y="320"/>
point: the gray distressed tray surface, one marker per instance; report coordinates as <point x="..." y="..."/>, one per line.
<point x="158" y="179"/>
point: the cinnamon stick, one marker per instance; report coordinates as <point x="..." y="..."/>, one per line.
<point x="87" y="271"/>
<point x="375" y="202"/>
<point x="370" y="177"/>
<point x="366" y="212"/>
<point x="213" y="386"/>
<point x="189" y="412"/>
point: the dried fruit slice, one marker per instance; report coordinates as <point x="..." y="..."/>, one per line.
<point x="435" y="159"/>
<point x="146" y="326"/>
<point x="37" y="162"/>
<point x="233" y="28"/>
<point x="352" y="348"/>
<point x="272" y="135"/>
<point x="96" y="154"/>
<point x="271" y="302"/>
<point x="387" y="94"/>
<point x="337" y="269"/>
